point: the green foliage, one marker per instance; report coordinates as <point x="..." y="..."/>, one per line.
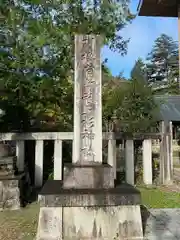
<point x="130" y="107"/>
<point x="139" y="70"/>
<point x="160" y="69"/>
<point x="37" y="54"/>
<point x="162" y="65"/>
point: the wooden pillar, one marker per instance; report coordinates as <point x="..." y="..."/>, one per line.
<point x="129" y="160"/>
<point x="147" y="161"/>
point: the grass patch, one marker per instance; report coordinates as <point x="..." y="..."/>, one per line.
<point x="176" y="165"/>
<point x="20" y="224"/>
<point x="157" y="198"/>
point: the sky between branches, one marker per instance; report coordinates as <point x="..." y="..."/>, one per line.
<point x="142" y="33"/>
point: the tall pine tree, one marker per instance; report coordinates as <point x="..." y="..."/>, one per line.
<point x="139" y="70"/>
<point x="162" y="62"/>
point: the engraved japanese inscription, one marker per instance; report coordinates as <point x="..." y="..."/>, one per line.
<point x="89" y="98"/>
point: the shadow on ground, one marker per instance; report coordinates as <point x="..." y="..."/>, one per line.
<point x="145" y="215"/>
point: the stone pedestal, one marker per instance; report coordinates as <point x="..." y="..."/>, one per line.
<point x="77" y="214"/>
<point x="11" y="184"/>
<point x="11" y="188"/>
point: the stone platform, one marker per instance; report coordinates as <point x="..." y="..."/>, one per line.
<point x="76" y="214"/>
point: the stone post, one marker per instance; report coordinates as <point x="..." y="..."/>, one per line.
<point x="171" y="148"/>
<point x="166" y="171"/>
<point x="129" y="158"/>
<point x="112" y="161"/>
<point x="147" y="161"/>
<point x="162" y="155"/>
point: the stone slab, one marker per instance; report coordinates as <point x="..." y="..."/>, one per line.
<point x="163" y="224"/>
<point x="54" y="195"/>
<point x="88" y="176"/>
<point x="90" y="223"/>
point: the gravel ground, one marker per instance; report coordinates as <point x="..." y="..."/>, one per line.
<point x="19" y="225"/>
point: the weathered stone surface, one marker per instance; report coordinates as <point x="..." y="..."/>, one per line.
<point x="50" y="224"/>
<point x="117" y="222"/>
<point x="88" y="176"/>
<point x="54" y="195"/>
<point x="163" y="224"/>
<point x="159" y="224"/>
<point x="7" y="165"/>
<point x="10" y="192"/>
<point x="87" y="144"/>
<point x="5" y="150"/>
<point x="101" y="223"/>
<point x="9" y="195"/>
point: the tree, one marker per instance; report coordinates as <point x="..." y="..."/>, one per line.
<point x="163" y="61"/>
<point x="37" y="52"/>
<point x="130" y="107"/>
<point x="139" y="70"/>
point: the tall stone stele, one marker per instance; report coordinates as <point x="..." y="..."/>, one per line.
<point x="86" y="204"/>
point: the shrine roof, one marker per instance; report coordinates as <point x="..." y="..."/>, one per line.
<point x="158" y="8"/>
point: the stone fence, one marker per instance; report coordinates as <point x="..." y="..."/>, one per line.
<point x="175" y="147"/>
<point x="112" y="143"/>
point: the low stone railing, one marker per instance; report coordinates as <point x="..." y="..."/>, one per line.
<point x="59" y="137"/>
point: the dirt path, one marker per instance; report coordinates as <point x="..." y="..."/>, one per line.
<point x="177" y="174"/>
<point x="175" y="186"/>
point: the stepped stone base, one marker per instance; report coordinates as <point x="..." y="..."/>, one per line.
<point x="88" y="176"/>
<point x="77" y="214"/>
<point x="10" y="192"/>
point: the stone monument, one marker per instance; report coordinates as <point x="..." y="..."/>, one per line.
<point x="86" y="204"/>
<point x="11" y="182"/>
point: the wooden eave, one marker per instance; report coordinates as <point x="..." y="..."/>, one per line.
<point x="158" y="8"/>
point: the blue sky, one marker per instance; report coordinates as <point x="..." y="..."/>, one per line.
<point x="142" y="33"/>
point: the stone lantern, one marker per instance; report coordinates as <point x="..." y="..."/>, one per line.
<point x="11" y="181"/>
